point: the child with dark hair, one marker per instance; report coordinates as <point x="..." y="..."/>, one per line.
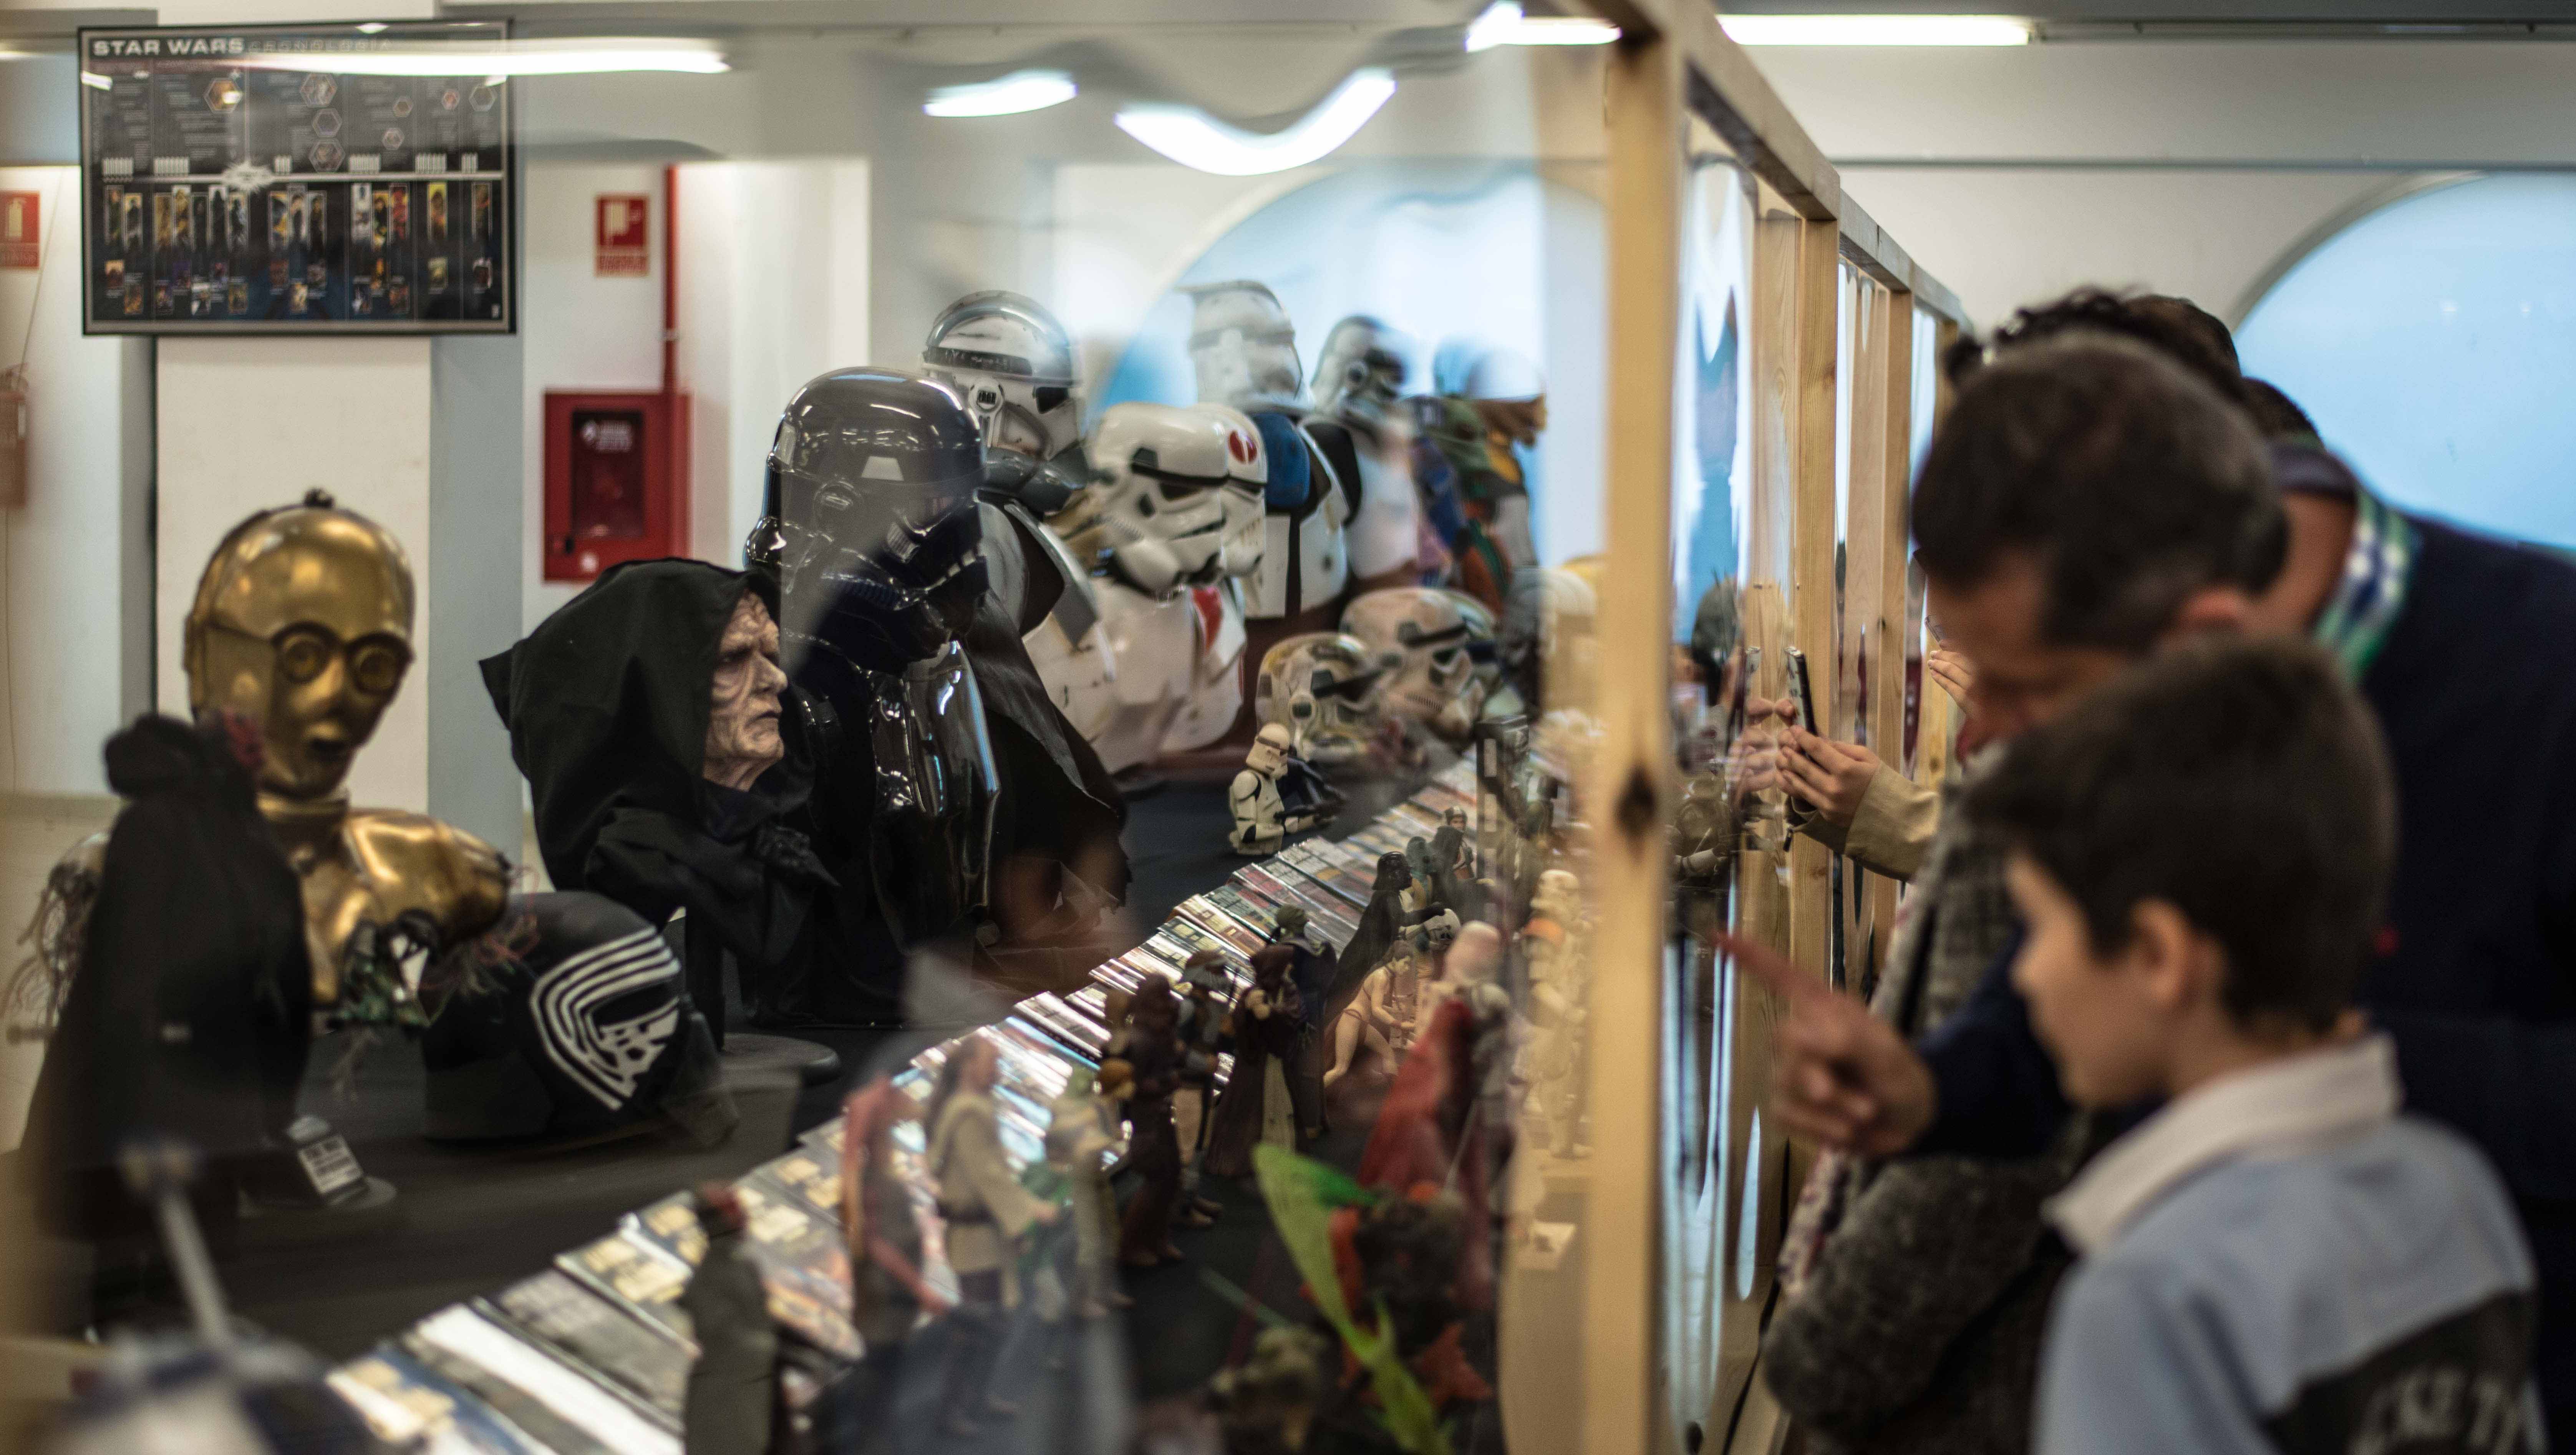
<point x="2277" y="1260"/>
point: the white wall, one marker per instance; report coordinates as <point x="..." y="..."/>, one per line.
<point x="774" y="283"/>
<point x="63" y="683"/>
<point x="251" y="423"/>
<point x="2189" y="167"/>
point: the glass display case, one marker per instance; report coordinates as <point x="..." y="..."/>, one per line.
<point x="1284" y="638"/>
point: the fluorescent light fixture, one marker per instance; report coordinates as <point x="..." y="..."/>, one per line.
<point x="1502" y="23"/>
<point x="1876" y="29"/>
<point x="1193" y="138"/>
<point x="1003" y="96"/>
<point x="372" y="27"/>
<point x="590" y="55"/>
<point x="93" y="78"/>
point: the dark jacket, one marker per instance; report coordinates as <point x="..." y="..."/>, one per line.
<point x="190" y="1012"/>
<point x="2475" y="686"/>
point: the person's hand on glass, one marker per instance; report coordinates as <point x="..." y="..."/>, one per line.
<point x="1841" y="1076"/>
<point x="1832" y="776"/>
<point x="1946" y="667"/>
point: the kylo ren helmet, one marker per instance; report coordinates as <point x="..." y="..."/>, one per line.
<point x="1013" y="365"/>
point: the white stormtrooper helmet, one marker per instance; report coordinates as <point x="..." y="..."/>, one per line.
<point x="1244" y="347"/>
<point x="1180" y="494"/>
<point x="1012" y="364"/>
<point x="1360" y="374"/>
<point x="1323" y="688"/>
<point x="1421" y="641"/>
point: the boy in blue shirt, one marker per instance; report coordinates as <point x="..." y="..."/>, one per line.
<point x="2277" y="1260"/>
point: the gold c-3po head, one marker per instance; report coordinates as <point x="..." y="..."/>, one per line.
<point x="302" y="625"/>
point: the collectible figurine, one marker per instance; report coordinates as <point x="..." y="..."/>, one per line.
<point x="986" y="820"/>
<point x="1560" y="1000"/>
<point x="1420" y="641"/>
<point x="1178" y="523"/>
<point x="888" y="1295"/>
<point x="1147" y="1054"/>
<point x="1359" y="376"/>
<point x="580" y="1026"/>
<point x="1381" y="1020"/>
<point x="1311" y="972"/>
<point x="1078" y="1143"/>
<point x="985" y="1209"/>
<point x="1447" y="1118"/>
<point x="1202" y="1027"/>
<point x="1012" y="364"/>
<point x="1267" y="1404"/>
<point x="1490" y="409"/>
<point x="733" y="1386"/>
<point x="301" y="628"/>
<point x="1276" y="795"/>
<point x="671" y="769"/>
<point x="1323" y="688"/>
<point x="190" y="1011"/>
<point x="1258" y="1105"/>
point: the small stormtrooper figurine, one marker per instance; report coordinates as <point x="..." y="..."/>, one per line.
<point x="1553" y="944"/>
<point x="1322" y="688"/>
<point x="1359" y="379"/>
<point x="1179" y="517"/>
<point x="1012" y="365"/>
<point x="1245" y="352"/>
<point x="1423" y="641"/>
<point x="1276" y="794"/>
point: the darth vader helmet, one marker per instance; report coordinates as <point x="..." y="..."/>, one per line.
<point x="1181" y="493"/>
<point x="1012" y="364"/>
<point x="1360" y="374"/>
<point x="869" y="518"/>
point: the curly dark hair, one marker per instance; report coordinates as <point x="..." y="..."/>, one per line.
<point x="2178" y="328"/>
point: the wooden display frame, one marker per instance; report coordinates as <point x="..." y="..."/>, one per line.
<point x="1671" y="64"/>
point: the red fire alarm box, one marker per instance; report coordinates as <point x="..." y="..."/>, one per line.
<point x="616" y="480"/>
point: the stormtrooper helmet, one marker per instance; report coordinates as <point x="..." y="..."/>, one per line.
<point x="1012" y="364"/>
<point x="1244" y="347"/>
<point x="1180" y="493"/>
<point x="1360" y="374"/>
<point x="1421" y="641"/>
<point x="1323" y="688"/>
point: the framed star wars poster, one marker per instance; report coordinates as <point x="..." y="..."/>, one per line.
<point x="297" y="179"/>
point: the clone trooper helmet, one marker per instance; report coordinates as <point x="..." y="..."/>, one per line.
<point x="1323" y="688"/>
<point x="1180" y="492"/>
<point x="869" y="517"/>
<point x="1012" y="364"/>
<point x="1244" y="347"/>
<point x="1421" y="641"/>
<point x="1360" y="374"/>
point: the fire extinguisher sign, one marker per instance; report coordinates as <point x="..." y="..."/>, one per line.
<point x="21" y="234"/>
<point x="624" y="250"/>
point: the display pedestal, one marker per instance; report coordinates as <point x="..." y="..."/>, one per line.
<point x="750" y="1053"/>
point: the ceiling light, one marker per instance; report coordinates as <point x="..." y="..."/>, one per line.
<point x="372" y="27"/>
<point x="1876" y="29"/>
<point x="1193" y="138"/>
<point x="94" y="79"/>
<point x="1502" y="23"/>
<point x="593" y="55"/>
<point x="1004" y="96"/>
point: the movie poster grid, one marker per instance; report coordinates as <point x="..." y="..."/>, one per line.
<point x="225" y="194"/>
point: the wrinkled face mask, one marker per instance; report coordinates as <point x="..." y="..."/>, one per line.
<point x="742" y="722"/>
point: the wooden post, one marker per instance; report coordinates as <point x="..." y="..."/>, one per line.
<point x="1629" y="792"/>
<point x="1939" y="724"/>
<point x="1811" y="550"/>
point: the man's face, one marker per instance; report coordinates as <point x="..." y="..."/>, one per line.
<point x="2097" y="1015"/>
<point x="742" y="723"/>
<point x="2022" y="680"/>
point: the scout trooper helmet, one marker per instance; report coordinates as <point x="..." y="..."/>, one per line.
<point x="1013" y="365"/>
<point x="1360" y="374"/>
<point x="1244" y="347"/>
<point x="1180" y="494"/>
<point x="1421" y="641"/>
<point x="1323" y="688"/>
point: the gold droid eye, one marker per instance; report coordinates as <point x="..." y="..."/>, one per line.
<point x="377" y="666"/>
<point x="302" y="655"/>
